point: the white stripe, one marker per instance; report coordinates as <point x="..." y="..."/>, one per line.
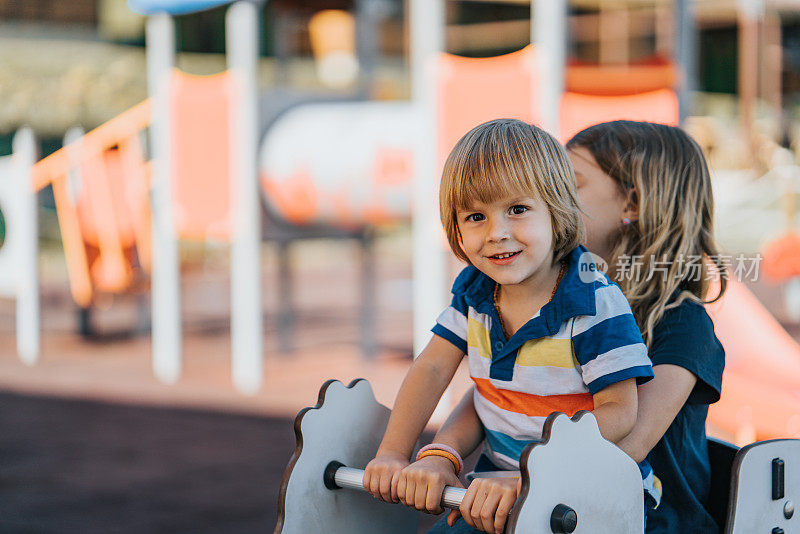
<point x="512" y="424"/>
<point x="478" y="365"/>
<point x="615" y="360"/>
<point x="566" y="330"/>
<point x="609" y="302"/>
<point x="538" y="380"/>
<point x="481" y="318"/>
<point x="455" y="321"/>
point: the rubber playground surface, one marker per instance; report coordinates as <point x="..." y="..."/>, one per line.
<point x="91" y="442"/>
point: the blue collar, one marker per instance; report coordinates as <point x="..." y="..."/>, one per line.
<point x="573" y="297"/>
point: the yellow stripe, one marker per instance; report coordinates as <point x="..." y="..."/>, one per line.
<point x="547" y="351"/>
<point x="478" y="336"/>
<point x="536" y="352"/>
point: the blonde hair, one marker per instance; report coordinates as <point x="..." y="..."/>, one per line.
<point x="666" y="170"/>
<point x="506" y="157"/>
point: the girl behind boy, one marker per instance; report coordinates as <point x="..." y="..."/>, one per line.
<point x="658" y="173"/>
<point x="539" y="336"/>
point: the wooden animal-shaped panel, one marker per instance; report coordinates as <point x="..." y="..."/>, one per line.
<point x="765" y="488"/>
<point x="575" y="466"/>
<point x="346" y="425"/>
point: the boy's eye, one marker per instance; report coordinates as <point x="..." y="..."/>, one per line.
<point x="518" y="210"/>
<point x="475" y="217"/>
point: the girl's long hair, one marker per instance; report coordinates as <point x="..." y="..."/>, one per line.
<point x="666" y="172"/>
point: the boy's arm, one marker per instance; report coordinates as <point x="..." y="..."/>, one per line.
<point x="613" y="360"/>
<point x="615" y="408"/>
<point x="421" y="390"/>
<point x="463" y="429"/>
<point x="421" y="484"/>
<point x="419" y="394"/>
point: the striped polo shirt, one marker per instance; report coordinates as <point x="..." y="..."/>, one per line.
<point x="580" y="342"/>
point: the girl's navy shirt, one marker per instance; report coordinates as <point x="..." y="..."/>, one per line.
<point x="685" y="337"/>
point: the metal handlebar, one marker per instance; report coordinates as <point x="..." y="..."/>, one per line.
<point x="337" y="476"/>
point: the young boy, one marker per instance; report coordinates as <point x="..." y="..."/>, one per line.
<point x="540" y="334"/>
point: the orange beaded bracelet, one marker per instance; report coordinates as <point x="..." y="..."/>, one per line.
<point x="443" y="454"/>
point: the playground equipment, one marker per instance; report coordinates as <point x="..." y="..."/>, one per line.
<point x="18" y="252"/>
<point x="202" y="135"/>
<point x="762" y="370"/>
<point x="359" y="171"/>
<point x="782" y="255"/>
<point x="100" y="184"/>
<point x="408" y="142"/>
<point x="220" y="122"/>
<point x="572" y="481"/>
<point x="455" y="94"/>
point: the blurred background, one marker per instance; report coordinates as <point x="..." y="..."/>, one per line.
<point x="143" y="394"/>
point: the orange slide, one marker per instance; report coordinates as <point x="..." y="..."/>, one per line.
<point x="761" y="382"/>
<point x="105" y="223"/>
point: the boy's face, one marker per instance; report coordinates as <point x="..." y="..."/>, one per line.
<point x="510" y="240"/>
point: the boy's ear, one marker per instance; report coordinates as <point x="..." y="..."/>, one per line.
<point x="631" y="211"/>
<point x="458" y="234"/>
<point x="460" y="241"/>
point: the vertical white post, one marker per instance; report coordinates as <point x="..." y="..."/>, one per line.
<point x="684" y="55"/>
<point x="549" y="36"/>
<point x="426" y="35"/>
<point x="246" y="315"/>
<point x="429" y="259"/>
<point x="28" y="318"/>
<point x="166" y="270"/>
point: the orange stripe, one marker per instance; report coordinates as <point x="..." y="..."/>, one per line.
<point x="533" y="405"/>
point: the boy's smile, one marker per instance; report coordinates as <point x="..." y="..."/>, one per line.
<point x="510" y="240"/>
<point x="504" y="258"/>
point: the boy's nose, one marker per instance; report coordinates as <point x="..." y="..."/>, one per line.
<point x="498" y="231"/>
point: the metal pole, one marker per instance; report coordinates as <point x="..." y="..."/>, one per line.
<point x="750" y="13"/>
<point x="685" y="55"/>
<point x="429" y="258"/>
<point x="549" y="35"/>
<point x="28" y="309"/>
<point x="772" y="85"/>
<point x="246" y="314"/>
<point x="166" y="270"/>
<point x="367" y="41"/>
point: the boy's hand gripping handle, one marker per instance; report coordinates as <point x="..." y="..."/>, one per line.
<point x="337" y="476"/>
<point x="563" y="519"/>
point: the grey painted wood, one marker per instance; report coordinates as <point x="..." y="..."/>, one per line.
<point x="346" y="426"/>
<point x="752" y="508"/>
<point x="574" y="465"/>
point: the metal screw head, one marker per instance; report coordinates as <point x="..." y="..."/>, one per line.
<point x="788" y="509"/>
